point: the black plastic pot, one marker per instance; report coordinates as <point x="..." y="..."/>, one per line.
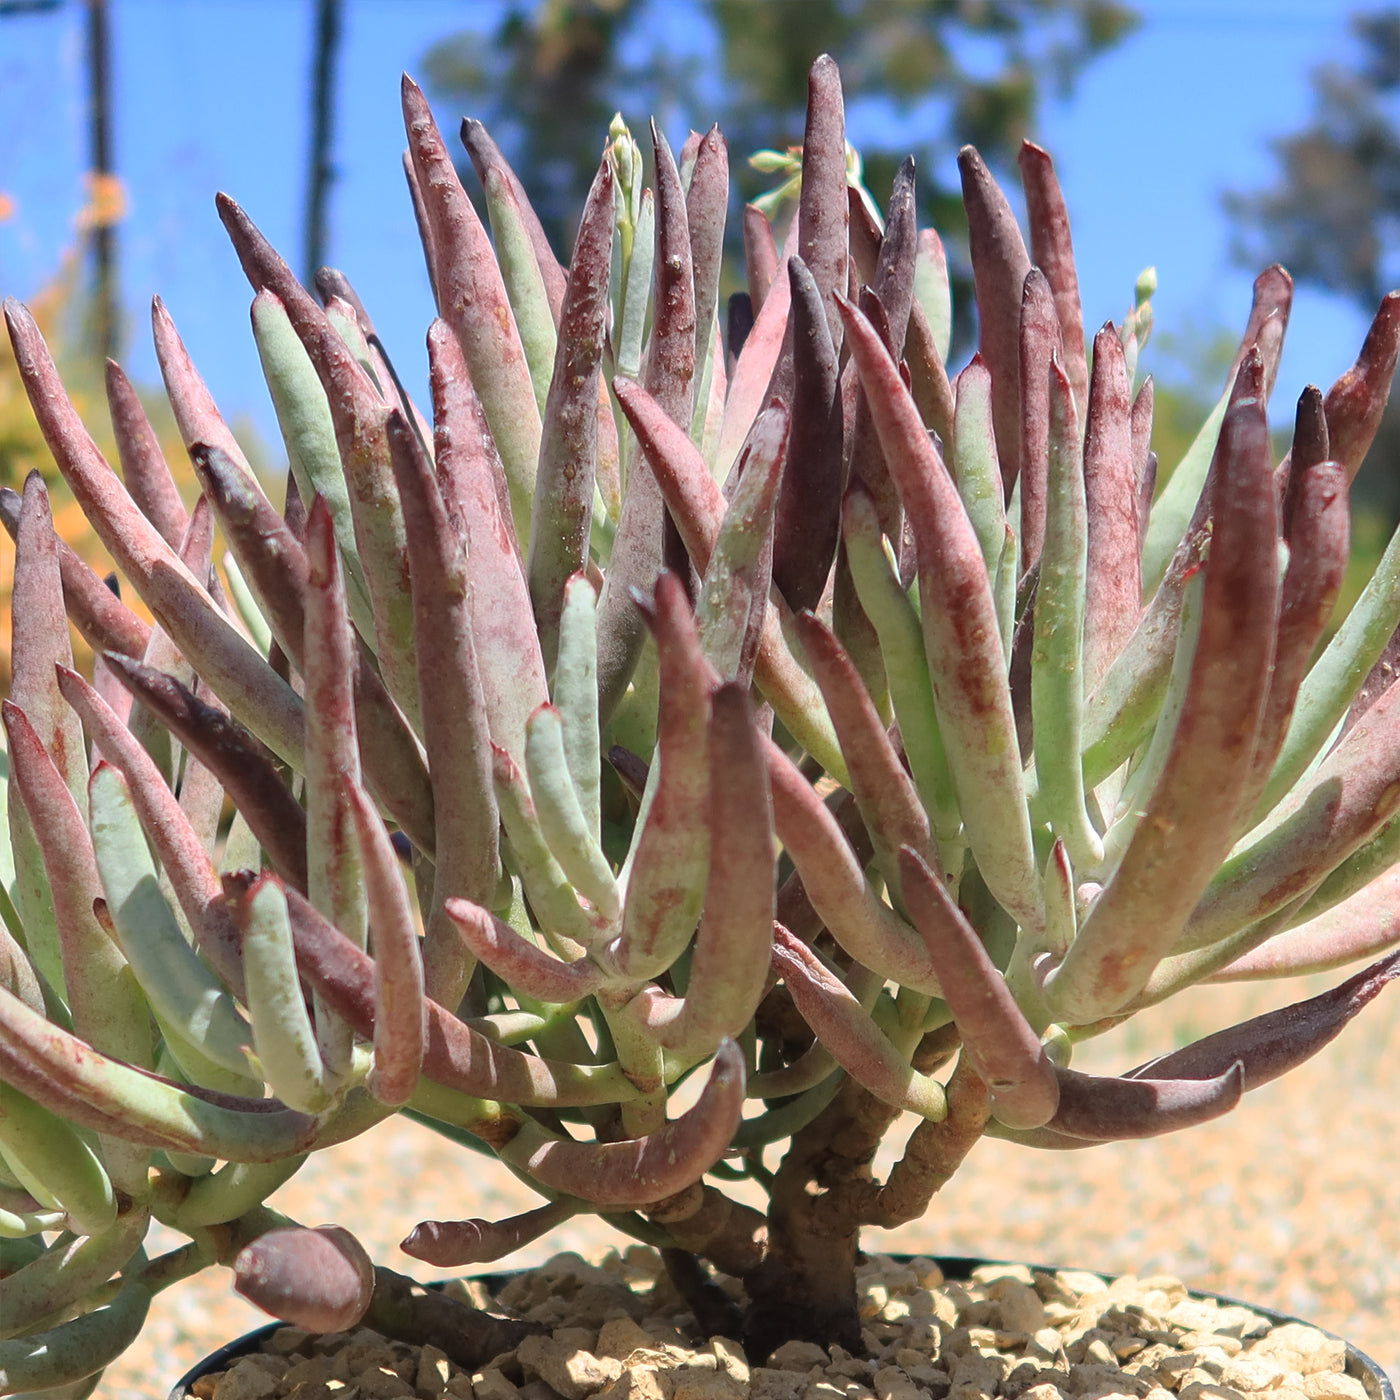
<point x="1359" y="1365"/>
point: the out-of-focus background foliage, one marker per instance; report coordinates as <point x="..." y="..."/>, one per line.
<point x="546" y="75"/>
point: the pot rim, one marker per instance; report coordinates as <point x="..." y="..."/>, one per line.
<point x="1359" y="1365"/>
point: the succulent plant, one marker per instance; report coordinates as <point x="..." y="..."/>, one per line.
<point x="751" y="700"/>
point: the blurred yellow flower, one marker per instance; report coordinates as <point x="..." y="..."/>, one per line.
<point x="106" y="201"/>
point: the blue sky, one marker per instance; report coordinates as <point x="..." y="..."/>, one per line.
<point x="211" y="94"/>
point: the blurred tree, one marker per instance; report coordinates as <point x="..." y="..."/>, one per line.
<point x="1332" y="216"/>
<point x="920" y="75"/>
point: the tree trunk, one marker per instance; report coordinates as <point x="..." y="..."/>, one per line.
<point x="805" y="1289"/>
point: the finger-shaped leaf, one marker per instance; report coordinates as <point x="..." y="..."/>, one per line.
<point x="999" y="267"/>
<point x="518" y="962"/>
<point x="180" y="986"/>
<point x="454" y="1055"/>
<point x="928" y="376"/>
<point x="359" y="413"/>
<point x="1120" y="711"/>
<point x="1361" y="926"/>
<point x="1113" y="588"/>
<point x="889" y="805"/>
<point x="973" y="460"/>
<point x="398" y="963"/>
<point x="308" y="430"/>
<point x="39" y="639"/>
<point x="472" y="299"/>
<point x="17" y="973"/>
<point x="1354" y="792"/>
<point x="183" y="855"/>
<point x="275" y="564"/>
<point x="961" y="637"/>
<point x="456" y="732"/>
<point x="320" y="1280"/>
<point x="576" y="697"/>
<point x="638" y="1171"/>
<point x="666" y="866"/>
<point x="633" y="564"/>
<point x="1052" y="251"/>
<point x="1057" y="662"/>
<point x="196" y="414"/>
<point x="1112" y="1110"/>
<point x="760" y="255"/>
<point x="144" y="468"/>
<point x="54" y="1164"/>
<point x="932" y="294"/>
<point x="472" y="485"/>
<point x="698" y="507"/>
<point x="1061" y="916"/>
<point x="1379" y="853"/>
<point x="1186" y="828"/>
<point x="242" y="678"/>
<point x="857" y="918"/>
<point x="1380" y="678"/>
<point x="283" y="1034"/>
<point x="74" y="1351"/>
<point x="451" y="1243"/>
<point x="249" y="776"/>
<point x="901" y="645"/>
<point x="523" y="279"/>
<point x="1144" y="458"/>
<point x="1278" y="1041"/>
<point x="647" y="534"/>
<point x="632" y="293"/>
<point x="562" y="509"/>
<point x="1319" y="543"/>
<point x="866" y="233"/>
<point x="486" y="157"/>
<point x="1004" y="1049"/>
<point x="809" y="502"/>
<point x="864" y="455"/>
<point x="845" y="1028"/>
<point x="732" y="609"/>
<point x="92" y="1090"/>
<point x="107" y="1006"/>
<point x="39" y="644"/>
<point x="561" y="816"/>
<point x="753" y="373"/>
<point x="163" y="655"/>
<point x="893" y="282"/>
<point x="729" y="966"/>
<point x="706" y="205"/>
<point x="1040" y="347"/>
<point x="1178" y="500"/>
<point x="270" y="556"/>
<point x="1354" y="404"/>
<point x="92" y="605"/>
<point x="1310" y="448"/>
<point x="822" y="216"/>
<point x="68" y="1271"/>
<point x="567" y="924"/>
<point x="232" y="1190"/>
<point x="1331" y="683"/>
<point x="352" y="322"/>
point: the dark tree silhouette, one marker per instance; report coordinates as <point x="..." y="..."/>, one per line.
<point x="1332" y="216"/>
<point x="1333" y="213"/>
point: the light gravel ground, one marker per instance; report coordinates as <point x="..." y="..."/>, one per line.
<point x="1292" y="1202"/>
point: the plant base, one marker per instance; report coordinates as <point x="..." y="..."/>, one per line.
<point x="952" y="1329"/>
